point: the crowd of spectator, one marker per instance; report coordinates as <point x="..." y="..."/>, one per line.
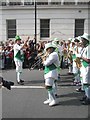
<point x="30" y="54"/>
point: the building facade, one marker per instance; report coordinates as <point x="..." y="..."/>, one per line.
<point x="54" y="18"/>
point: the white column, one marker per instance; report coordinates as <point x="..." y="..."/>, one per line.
<point x="22" y="2"/>
<point x="7" y="1"/>
<point x="76" y="2"/>
<point x="34" y="2"/>
<point x="49" y="1"/>
<point x="62" y="2"/>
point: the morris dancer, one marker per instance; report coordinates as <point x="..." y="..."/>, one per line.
<point x="59" y="52"/>
<point x="69" y="56"/>
<point x="50" y="72"/>
<point x="19" y="57"/>
<point x="85" y="57"/>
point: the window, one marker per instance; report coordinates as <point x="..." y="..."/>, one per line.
<point x="82" y="3"/>
<point x="3" y="3"/>
<point x="44" y="28"/>
<point x="15" y="3"/>
<point x="28" y="2"/>
<point x="42" y="3"/>
<point x="55" y="3"/>
<point x="79" y="27"/>
<point x="67" y="3"/>
<point x="11" y="28"/>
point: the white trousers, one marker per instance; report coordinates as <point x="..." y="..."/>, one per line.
<point x="49" y="81"/>
<point x="18" y="64"/>
<point x="18" y="70"/>
<point x="86" y="75"/>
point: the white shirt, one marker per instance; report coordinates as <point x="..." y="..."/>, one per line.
<point x="52" y="58"/>
<point x="16" y="49"/>
<point x="86" y="53"/>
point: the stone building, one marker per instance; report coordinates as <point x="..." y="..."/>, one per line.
<point x="54" y="18"/>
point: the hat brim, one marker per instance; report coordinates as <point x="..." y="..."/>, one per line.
<point x="76" y="40"/>
<point x="18" y="39"/>
<point x="50" y="47"/>
<point x="86" y="37"/>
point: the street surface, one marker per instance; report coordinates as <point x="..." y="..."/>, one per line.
<point x="26" y="101"/>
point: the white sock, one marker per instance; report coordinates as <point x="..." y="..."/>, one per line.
<point x="55" y="88"/>
<point x="70" y="69"/>
<point x="51" y="95"/>
<point x="18" y="76"/>
<point x="87" y="92"/>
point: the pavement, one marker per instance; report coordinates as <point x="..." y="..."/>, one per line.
<point x="26" y="101"/>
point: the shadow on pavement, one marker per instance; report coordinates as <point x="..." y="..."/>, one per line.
<point x="71" y="102"/>
<point x="34" y="82"/>
<point x="71" y="95"/>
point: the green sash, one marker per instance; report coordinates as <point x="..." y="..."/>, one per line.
<point x="49" y="68"/>
<point x="74" y="56"/>
<point x="85" y="64"/>
<point x="19" y="56"/>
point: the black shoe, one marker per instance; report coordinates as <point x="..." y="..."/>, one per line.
<point x="1" y="79"/>
<point x="21" y="81"/>
<point x="83" y="98"/>
<point x="70" y="73"/>
<point x="86" y="101"/>
<point x="79" y="90"/>
<point x="8" y="86"/>
<point x="56" y="95"/>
